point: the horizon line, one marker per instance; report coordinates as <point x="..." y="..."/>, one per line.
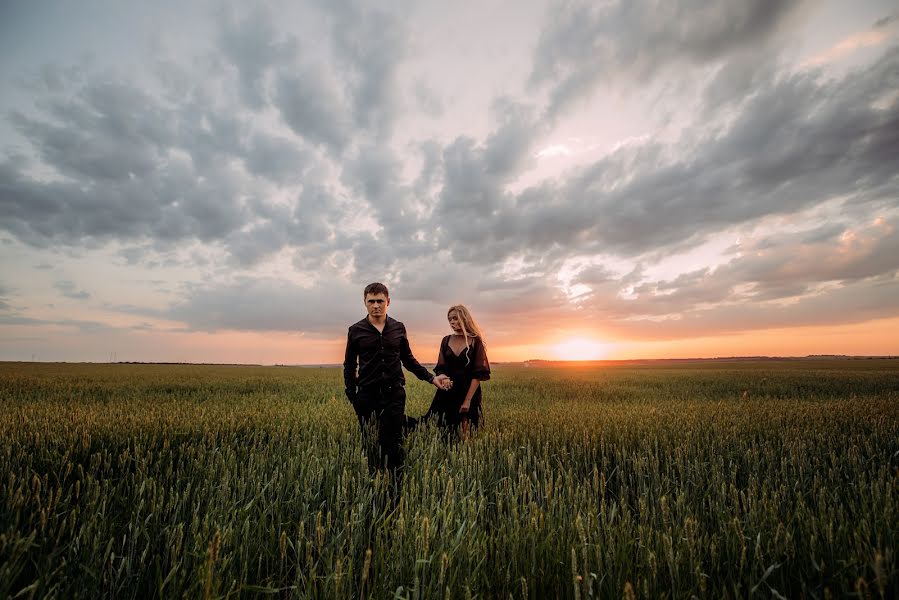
<point x="560" y="362"/>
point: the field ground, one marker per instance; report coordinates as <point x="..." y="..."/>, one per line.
<point x="745" y="479"/>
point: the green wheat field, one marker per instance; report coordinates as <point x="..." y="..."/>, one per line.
<point x="715" y="480"/>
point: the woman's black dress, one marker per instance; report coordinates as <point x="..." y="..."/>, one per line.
<point x="470" y="363"/>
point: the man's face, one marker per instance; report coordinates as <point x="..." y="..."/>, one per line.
<point x="376" y="304"/>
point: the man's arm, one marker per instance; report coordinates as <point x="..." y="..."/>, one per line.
<point x="350" y="359"/>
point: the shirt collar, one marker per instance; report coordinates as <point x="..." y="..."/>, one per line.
<point x="387" y="322"/>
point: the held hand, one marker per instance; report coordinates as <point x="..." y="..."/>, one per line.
<point x="442" y="381"/>
<point x="465" y="406"/>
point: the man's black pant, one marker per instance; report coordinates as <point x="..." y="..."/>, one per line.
<point x="381" y="411"/>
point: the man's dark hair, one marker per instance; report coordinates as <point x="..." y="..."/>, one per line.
<point x="375" y="288"/>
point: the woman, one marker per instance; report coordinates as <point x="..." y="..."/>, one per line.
<point x="463" y="359"/>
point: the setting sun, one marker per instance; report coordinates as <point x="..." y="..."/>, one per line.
<point x="580" y="349"/>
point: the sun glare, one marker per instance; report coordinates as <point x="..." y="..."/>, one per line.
<point x="579" y="349"/>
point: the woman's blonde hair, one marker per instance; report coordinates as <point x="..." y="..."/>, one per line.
<point x="470" y="327"/>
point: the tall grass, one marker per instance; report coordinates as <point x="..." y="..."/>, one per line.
<point x="771" y="479"/>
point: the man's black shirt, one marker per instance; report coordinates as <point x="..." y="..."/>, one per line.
<point x="380" y="355"/>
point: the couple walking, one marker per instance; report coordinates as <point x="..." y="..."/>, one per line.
<point x="376" y="350"/>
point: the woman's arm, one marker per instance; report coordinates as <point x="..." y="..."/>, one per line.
<point x="469" y="395"/>
<point x="440" y="368"/>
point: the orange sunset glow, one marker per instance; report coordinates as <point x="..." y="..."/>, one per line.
<point x="579" y="348"/>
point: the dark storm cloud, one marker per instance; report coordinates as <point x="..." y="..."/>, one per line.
<point x="799" y="141"/>
<point x="358" y="94"/>
<point x="737" y="79"/>
<point x="312" y="105"/>
<point x="254" y="45"/>
<point x="370" y="43"/>
<point x="251" y="304"/>
<point x="177" y="204"/>
<point x="276" y="158"/>
<point x="111" y="133"/>
<point x="585" y="43"/>
<point x="134" y="167"/>
<point x="140" y="168"/>
<point x="372" y="256"/>
<point x="69" y="290"/>
<point x="167" y="169"/>
<point x="473" y="203"/>
<point x="307" y="222"/>
<point x="374" y="174"/>
<point x="431" y="169"/>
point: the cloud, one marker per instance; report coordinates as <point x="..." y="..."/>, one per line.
<point x="120" y="164"/>
<point x="308" y="222"/>
<point x="82" y="326"/>
<point x="475" y="177"/>
<point x="863" y="301"/>
<point x="374" y="175"/>
<point x="427" y="99"/>
<point x="67" y="288"/>
<point x="810" y="277"/>
<point x="763" y="285"/>
<point x="369" y="44"/>
<point x="264" y="304"/>
<point x="586" y="44"/>
<point x="798" y="142"/>
<point x="885" y="21"/>
<point x="124" y="165"/>
<point x="254" y="46"/>
<point x="355" y="95"/>
<point x="276" y="158"/>
<point x="312" y="105"/>
<point x="283" y="155"/>
<point x="112" y="132"/>
<point x="877" y="35"/>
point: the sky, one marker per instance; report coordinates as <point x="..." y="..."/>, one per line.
<point x="215" y="182"/>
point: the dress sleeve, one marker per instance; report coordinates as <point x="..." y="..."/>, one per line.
<point x="480" y="365"/>
<point x="440" y="369"/>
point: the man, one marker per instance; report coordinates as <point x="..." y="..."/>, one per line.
<point x="379" y="344"/>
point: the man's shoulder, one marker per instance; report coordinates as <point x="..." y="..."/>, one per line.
<point x="395" y="323"/>
<point x="360" y="323"/>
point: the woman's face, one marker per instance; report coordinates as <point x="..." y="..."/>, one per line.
<point x="454" y="322"/>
